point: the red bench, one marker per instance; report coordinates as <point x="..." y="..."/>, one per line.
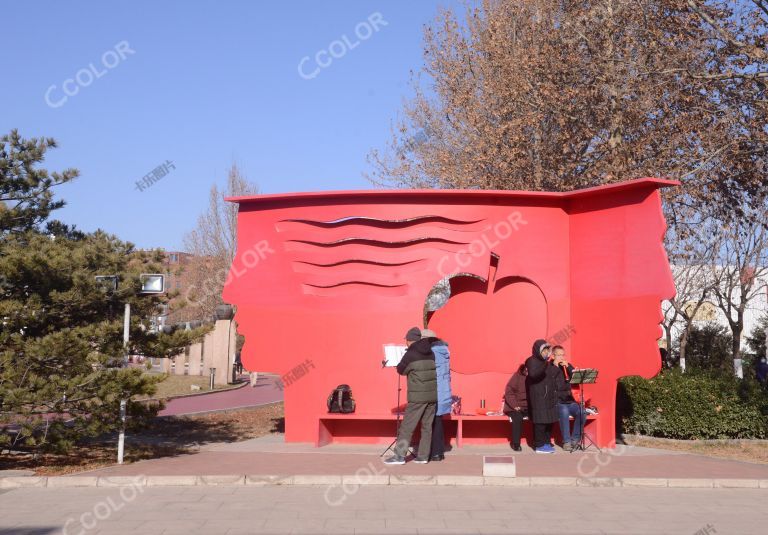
<point x="380" y="428"/>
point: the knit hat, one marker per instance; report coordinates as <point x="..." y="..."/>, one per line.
<point x="427" y="333"/>
<point x="413" y="334"/>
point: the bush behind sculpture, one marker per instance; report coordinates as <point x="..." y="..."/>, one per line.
<point x="692" y="405"/>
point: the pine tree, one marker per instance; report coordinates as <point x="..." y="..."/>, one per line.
<point x="61" y="335"/>
<point x="26" y="198"/>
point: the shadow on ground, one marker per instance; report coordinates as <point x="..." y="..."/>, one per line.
<point x="189" y="432"/>
<point x="167" y="436"/>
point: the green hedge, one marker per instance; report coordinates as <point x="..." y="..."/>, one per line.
<point x="692" y="405"/>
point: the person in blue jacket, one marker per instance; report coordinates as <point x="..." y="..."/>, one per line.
<point x="444" y="397"/>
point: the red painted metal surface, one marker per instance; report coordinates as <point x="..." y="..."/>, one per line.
<point x="322" y="280"/>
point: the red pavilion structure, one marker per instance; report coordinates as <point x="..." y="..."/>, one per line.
<point x="322" y="281"/>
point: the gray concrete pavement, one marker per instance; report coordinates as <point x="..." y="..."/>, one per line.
<point x="408" y="510"/>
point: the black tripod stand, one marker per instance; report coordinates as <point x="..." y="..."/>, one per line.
<point x="583" y="377"/>
<point x="399" y="417"/>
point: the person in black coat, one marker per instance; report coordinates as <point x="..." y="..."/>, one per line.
<point x="542" y="395"/>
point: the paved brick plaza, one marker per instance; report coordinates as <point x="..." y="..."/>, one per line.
<point x="270" y="455"/>
<point x="406" y="510"/>
<point x="420" y="505"/>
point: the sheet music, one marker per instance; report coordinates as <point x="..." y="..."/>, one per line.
<point x="583" y="375"/>
<point x="393" y="354"/>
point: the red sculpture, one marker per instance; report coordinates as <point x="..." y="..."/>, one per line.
<point x="322" y="280"/>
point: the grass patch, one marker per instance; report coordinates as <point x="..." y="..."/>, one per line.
<point x="754" y="451"/>
<point x="180" y="385"/>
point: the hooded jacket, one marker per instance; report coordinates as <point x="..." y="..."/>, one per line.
<point x="515" y="394"/>
<point x="443" y="372"/>
<point x="542" y="387"/>
<point x="418" y="364"/>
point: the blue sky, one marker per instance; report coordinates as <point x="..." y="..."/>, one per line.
<point x="203" y="84"/>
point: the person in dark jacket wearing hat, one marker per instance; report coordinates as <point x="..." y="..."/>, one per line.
<point x="418" y="364"/>
<point x="542" y="395"/>
<point x="516" y="404"/>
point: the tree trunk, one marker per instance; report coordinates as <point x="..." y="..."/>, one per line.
<point x="684" y="345"/>
<point x="736" y="351"/>
<point x="668" y="335"/>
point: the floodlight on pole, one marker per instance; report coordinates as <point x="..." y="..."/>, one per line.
<point x="152" y="283"/>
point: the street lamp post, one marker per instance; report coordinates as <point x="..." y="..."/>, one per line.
<point x="124" y="402"/>
<point x="121" y="439"/>
<point x="126" y="331"/>
<point x="150" y="284"/>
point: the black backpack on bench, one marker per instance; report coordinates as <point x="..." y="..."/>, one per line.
<point x="341" y="400"/>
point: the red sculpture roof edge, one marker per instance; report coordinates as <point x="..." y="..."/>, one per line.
<point x="476" y="193"/>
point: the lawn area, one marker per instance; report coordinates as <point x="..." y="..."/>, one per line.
<point x="171" y="436"/>
<point x="179" y="385"/>
<point x="755" y="451"/>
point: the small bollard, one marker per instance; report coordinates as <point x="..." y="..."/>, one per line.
<point x="234" y="373"/>
<point x="213" y="376"/>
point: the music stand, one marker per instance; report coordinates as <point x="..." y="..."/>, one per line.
<point x="392" y="355"/>
<point x="583" y="377"/>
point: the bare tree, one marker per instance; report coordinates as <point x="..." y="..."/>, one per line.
<point x="690" y="249"/>
<point x="740" y="271"/>
<point x="213" y="243"/>
<point x="693" y="283"/>
<point x="551" y="95"/>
